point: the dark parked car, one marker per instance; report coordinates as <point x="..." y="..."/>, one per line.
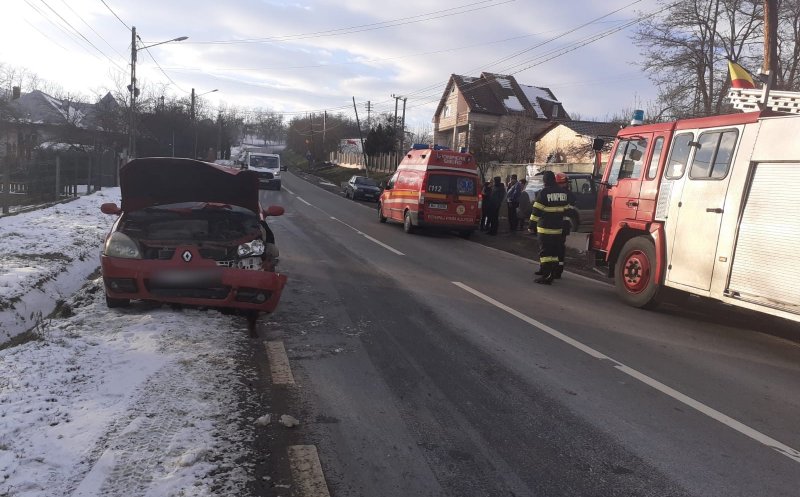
<point x="584" y="187"/>
<point x="191" y="232"/>
<point x="361" y="187"/>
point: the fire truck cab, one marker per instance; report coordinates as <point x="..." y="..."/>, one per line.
<point x="707" y="206"/>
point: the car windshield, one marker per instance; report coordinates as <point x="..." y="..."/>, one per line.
<point x="366" y="182"/>
<point x="264" y="161"/>
<point x="194" y="221"/>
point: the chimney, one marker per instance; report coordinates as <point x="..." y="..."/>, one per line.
<point x="15" y="92"/>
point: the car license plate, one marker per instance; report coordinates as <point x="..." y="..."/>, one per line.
<point x="437" y="206"/>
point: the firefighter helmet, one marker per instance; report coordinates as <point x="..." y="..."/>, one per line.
<point x="561" y="179"/>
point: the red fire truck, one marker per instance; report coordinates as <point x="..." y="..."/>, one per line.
<point x="707" y="206"/>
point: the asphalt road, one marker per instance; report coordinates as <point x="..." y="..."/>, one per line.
<point x="429" y="365"/>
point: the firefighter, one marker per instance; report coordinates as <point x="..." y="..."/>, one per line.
<point x="547" y="221"/>
<point x="563" y="182"/>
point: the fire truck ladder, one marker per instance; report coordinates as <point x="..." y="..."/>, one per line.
<point x="748" y="100"/>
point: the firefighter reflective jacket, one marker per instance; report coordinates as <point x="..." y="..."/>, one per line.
<point x="549" y="209"/>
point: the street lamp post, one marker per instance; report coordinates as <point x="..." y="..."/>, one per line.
<point x="193" y="116"/>
<point x="135" y="91"/>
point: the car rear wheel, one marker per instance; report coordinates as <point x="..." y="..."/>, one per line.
<point x="465" y="233"/>
<point x="381" y="217"/>
<point x="408" y="226"/>
<point x="635" y="274"/>
<point x="112" y="303"/>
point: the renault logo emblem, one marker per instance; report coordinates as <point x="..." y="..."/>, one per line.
<point x="186" y="256"/>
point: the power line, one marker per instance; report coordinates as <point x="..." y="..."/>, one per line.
<point x="43" y="34"/>
<point x="81" y="34"/>
<point x="61" y="28"/>
<point x="115" y="15"/>
<point x="366" y="27"/>
<point x="312" y="66"/>
<point x="147" y="49"/>
<point x="93" y="30"/>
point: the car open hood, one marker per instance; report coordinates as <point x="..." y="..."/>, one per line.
<point x="164" y="180"/>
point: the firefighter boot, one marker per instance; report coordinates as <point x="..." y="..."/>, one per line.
<point x="545" y="280"/>
<point x="557" y="271"/>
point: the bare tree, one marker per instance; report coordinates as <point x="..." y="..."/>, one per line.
<point x="685" y="49"/>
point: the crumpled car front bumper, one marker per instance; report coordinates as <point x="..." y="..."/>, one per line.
<point x="191" y="280"/>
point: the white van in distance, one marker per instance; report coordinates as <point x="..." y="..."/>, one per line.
<point x="268" y="167"/>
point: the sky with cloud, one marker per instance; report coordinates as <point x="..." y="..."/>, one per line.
<point x="305" y="56"/>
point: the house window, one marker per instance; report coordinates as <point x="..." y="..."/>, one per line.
<point x="555" y="111"/>
<point x="446" y="111"/>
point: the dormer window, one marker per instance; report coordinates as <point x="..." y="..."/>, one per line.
<point x="555" y="110"/>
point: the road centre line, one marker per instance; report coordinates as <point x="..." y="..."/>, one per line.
<point x="302" y="200"/>
<point x="289" y="191"/>
<point x="390" y="249"/>
<point x="684" y="399"/>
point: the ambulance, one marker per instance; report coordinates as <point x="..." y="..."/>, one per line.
<point x="433" y="187"/>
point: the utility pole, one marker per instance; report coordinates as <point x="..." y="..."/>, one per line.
<point x="770" y="49"/>
<point x="324" y="129"/>
<point x="369" y="113"/>
<point x="194" y="125"/>
<point x="219" y="136"/>
<point x="134" y="91"/>
<point x="361" y="136"/>
<point x="770" y="38"/>
<point x="403" y="130"/>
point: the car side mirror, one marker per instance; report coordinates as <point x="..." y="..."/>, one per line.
<point x="283" y="168"/>
<point x="273" y="211"/>
<point x="110" y="208"/>
<point x="388" y="186"/>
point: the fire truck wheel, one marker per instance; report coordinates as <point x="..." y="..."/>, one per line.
<point x="408" y="226"/>
<point x="634" y="274"/>
<point x="381" y="217"/>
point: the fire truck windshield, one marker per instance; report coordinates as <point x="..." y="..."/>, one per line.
<point x="627" y="162"/>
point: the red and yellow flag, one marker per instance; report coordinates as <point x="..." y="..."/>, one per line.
<point x="740" y="78"/>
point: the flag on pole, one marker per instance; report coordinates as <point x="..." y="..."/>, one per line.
<point x="740" y="77"/>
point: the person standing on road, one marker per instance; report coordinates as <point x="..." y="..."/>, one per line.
<point x="563" y="182"/>
<point x="512" y="200"/>
<point x="524" y="204"/>
<point x="495" y="201"/>
<point x="486" y="192"/>
<point x="547" y="220"/>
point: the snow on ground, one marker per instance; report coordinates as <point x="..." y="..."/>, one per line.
<point x="145" y="401"/>
<point x="47" y="255"/>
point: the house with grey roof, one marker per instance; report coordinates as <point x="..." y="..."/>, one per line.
<point x="36" y="119"/>
<point x="495" y="116"/>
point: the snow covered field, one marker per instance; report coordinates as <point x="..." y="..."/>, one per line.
<point x="142" y="401"/>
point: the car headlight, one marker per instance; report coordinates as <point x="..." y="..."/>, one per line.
<point x="122" y="246"/>
<point x="256" y="247"/>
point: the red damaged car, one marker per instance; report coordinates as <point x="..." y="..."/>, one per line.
<point x="191" y="232"/>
